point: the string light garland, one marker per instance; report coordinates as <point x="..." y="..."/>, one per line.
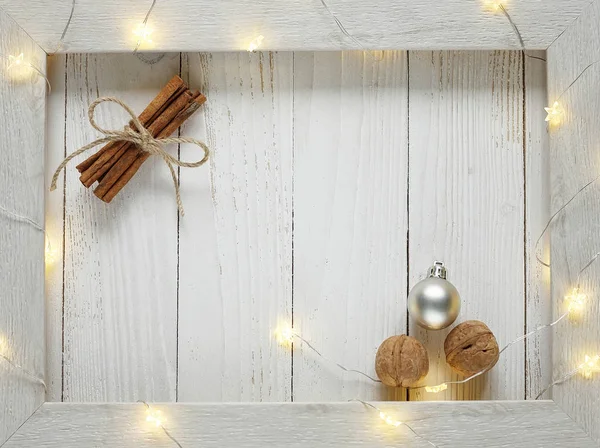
<point x="143" y="32"/>
<point x="555" y="112"/>
<point x="66" y="28"/>
<point x="391" y="421"/>
<point x="513" y="25"/>
<point x="20" y="63"/>
<point x="156" y="418"/>
<point x="575" y="302"/>
<point x="556" y="213"/>
<point x="255" y="43"/>
<point x="587" y="369"/>
<point x="285" y="336"/>
<point x="32" y="376"/>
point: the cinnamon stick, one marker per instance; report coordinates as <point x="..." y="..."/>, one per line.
<point x="197" y="100"/>
<point x="129" y="155"/>
<point x="157" y="106"/>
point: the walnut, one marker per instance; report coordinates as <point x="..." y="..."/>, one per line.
<point x="401" y="361"/>
<point x="470" y="348"/>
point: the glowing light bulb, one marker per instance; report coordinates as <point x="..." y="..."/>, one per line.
<point x="3" y="346"/>
<point x="492" y="5"/>
<point x="436" y="389"/>
<point x="143" y="34"/>
<point x="590" y="366"/>
<point x="389" y="420"/>
<point x="15" y="61"/>
<point x="50" y="254"/>
<point x="554" y="114"/>
<point x="285" y="335"/>
<point x="575" y="302"/>
<point x="154" y="417"/>
<point x="255" y="44"/>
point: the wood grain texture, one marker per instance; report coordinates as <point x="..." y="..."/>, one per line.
<point x="574" y="147"/>
<point x="207" y="291"/>
<point x="467" y="425"/>
<point x="55" y="144"/>
<point x="181" y="25"/>
<point x="538" y="311"/>
<point x="467" y="205"/>
<point x="22" y="114"/>
<point x="235" y="241"/>
<point x="350" y="172"/>
<point x="120" y="267"/>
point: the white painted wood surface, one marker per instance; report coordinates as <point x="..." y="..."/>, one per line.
<point x="538" y="307"/>
<point x="22" y="114"/>
<point x="350" y="174"/>
<point x="466" y="204"/>
<point x="575" y="161"/>
<point x="235" y="241"/>
<point x="55" y="201"/>
<point x="120" y="317"/>
<point x="184" y="25"/>
<point x="317" y="144"/>
<point x="460" y="424"/>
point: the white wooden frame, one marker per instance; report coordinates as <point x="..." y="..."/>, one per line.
<point x="568" y="32"/>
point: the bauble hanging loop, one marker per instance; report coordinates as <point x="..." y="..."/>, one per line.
<point x="434" y="302"/>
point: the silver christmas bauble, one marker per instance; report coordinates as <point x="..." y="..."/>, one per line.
<point x="434" y="302"/>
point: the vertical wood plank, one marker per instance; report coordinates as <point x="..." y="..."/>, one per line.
<point x="575" y="147"/>
<point x="350" y="172"/>
<point x="236" y="238"/>
<point x="55" y="154"/>
<point x="466" y="203"/>
<point x="120" y="289"/>
<point x="22" y="114"/>
<point x="538" y="349"/>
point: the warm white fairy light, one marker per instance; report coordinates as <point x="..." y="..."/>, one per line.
<point x="15" y="61"/>
<point x="253" y="46"/>
<point x="155" y="417"/>
<point x="285" y="335"/>
<point x="436" y="389"/>
<point x="590" y="366"/>
<point x="50" y="254"/>
<point x="554" y="114"/>
<point x="493" y="5"/>
<point x="4" y="351"/>
<point x="575" y="302"/>
<point x="389" y="420"/>
<point x="143" y="33"/>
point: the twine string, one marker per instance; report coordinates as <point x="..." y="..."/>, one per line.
<point x="140" y="137"/>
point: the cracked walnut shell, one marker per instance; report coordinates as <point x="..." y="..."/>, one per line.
<point x="401" y="361"/>
<point x="471" y="348"/>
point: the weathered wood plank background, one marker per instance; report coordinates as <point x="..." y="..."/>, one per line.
<point x="574" y="149"/>
<point x="182" y="25"/>
<point x="336" y="180"/>
<point x="22" y="116"/>
<point x="518" y="424"/>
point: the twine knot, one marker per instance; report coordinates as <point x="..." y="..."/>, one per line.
<point x="140" y="137"/>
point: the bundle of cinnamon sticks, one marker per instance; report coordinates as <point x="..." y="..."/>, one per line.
<point x="117" y="162"/>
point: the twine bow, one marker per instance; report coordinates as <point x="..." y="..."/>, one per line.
<point x="142" y="139"/>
